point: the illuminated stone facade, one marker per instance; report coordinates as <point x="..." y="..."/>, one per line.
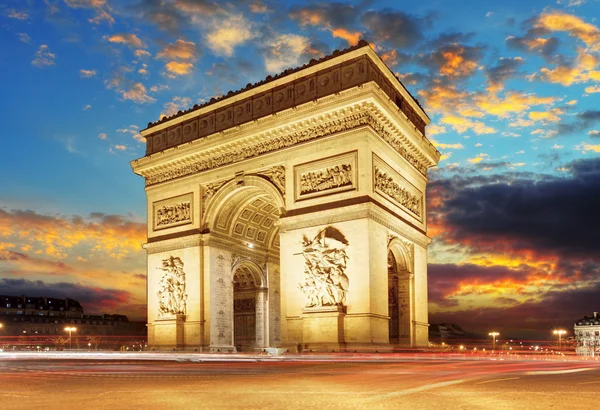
<point x="292" y="214"/>
<point x="587" y="336"/>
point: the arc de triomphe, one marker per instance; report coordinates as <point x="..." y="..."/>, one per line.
<point x="291" y="214"/>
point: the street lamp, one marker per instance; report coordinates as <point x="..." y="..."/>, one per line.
<point x="560" y="332"/>
<point x="493" y="334"/>
<point x="70" y="329"/>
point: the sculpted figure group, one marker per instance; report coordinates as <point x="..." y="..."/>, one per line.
<point x="327" y="178"/>
<point x="167" y="215"/>
<point x="172" y="299"/>
<point x="326" y="283"/>
<point x="388" y="186"/>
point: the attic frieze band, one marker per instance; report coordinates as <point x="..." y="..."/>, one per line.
<point x="364" y="118"/>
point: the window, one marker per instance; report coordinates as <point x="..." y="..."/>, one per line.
<point x="8" y="305"/>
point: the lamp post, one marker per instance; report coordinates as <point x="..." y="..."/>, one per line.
<point x="494" y="334"/>
<point x="559" y="332"/>
<point x="70" y="329"/>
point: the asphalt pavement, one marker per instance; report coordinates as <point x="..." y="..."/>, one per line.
<point x="204" y="381"/>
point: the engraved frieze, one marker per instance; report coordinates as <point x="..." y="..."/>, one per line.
<point x="285" y="140"/>
<point x="325" y="280"/>
<point x="389" y="186"/>
<point x="172" y="297"/>
<point x="173" y="212"/>
<point x="326" y="176"/>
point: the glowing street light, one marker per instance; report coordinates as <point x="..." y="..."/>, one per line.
<point x="560" y="332"/>
<point x="494" y="335"/>
<point x="70" y="329"/>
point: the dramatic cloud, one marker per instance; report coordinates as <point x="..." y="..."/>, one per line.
<point x="54" y="236"/>
<point x="454" y="60"/>
<point x="576" y="27"/>
<point x="93" y="299"/>
<point x="504" y="69"/>
<point x="395" y="28"/>
<point x="336" y="17"/>
<point x="552" y="215"/>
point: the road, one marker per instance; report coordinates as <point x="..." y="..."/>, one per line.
<point x="293" y="382"/>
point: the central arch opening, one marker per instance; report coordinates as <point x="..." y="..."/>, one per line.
<point x="242" y="217"/>
<point x="246" y="287"/>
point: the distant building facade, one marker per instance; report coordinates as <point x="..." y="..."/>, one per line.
<point x="587" y="335"/>
<point x="43" y="316"/>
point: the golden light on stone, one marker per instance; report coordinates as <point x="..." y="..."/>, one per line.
<point x="274" y="213"/>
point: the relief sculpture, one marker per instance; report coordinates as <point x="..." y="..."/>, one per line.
<point x="173" y="214"/>
<point x="387" y="185"/>
<point x="172" y="299"/>
<point x="325" y="280"/>
<point x="324" y="179"/>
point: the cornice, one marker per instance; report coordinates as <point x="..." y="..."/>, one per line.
<point x="174" y="244"/>
<point x="353" y="212"/>
<point x="190" y="159"/>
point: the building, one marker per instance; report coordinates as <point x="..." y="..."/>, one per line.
<point x="291" y="214"/>
<point x="587" y="336"/>
<point x="43" y="320"/>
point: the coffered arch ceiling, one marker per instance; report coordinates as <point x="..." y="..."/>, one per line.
<point x="249" y="215"/>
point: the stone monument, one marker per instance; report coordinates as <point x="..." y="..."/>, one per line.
<point x="291" y="214"/>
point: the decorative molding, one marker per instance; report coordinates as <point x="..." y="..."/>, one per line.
<point x="276" y="175"/>
<point x="326" y="176"/>
<point x="218" y="158"/>
<point x="172" y="299"/>
<point x="171" y="212"/>
<point x="325" y="280"/>
<point x="360" y="211"/>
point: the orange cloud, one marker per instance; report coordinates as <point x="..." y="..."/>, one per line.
<point x="129" y="39"/>
<point x="55" y="236"/>
<point x="179" y="68"/>
<point x="455" y="64"/>
<point x="181" y="49"/>
<point x="351" y="38"/>
<point x="576" y="27"/>
<point x="584" y="69"/>
<point x="462" y="125"/>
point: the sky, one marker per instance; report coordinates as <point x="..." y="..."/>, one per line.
<point x="512" y="89"/>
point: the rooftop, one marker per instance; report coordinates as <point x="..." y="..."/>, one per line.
<point x="270" y="78"/>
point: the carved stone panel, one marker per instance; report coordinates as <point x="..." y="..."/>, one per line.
<point x="224" y="118"/>
<point x="263" y="105"/>
<point x="174" y="136"/>
<point x="283" y="97"/>
<point x="395" y="188"/>
<point x="159" y="141"/>
<point x="326" y="176"/>
<point x="305" y="90"/>
<point x="206" y="124"/>
<point x="172" y="212"/>
<point x="354" y="72"/>
<point x="172" y="297"/>
<point x="325" y="280"/>
<point x="242" y="111"/>
<point x="190" y="130"/>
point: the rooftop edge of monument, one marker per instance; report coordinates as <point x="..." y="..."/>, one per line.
<point x="270" y="78"/>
